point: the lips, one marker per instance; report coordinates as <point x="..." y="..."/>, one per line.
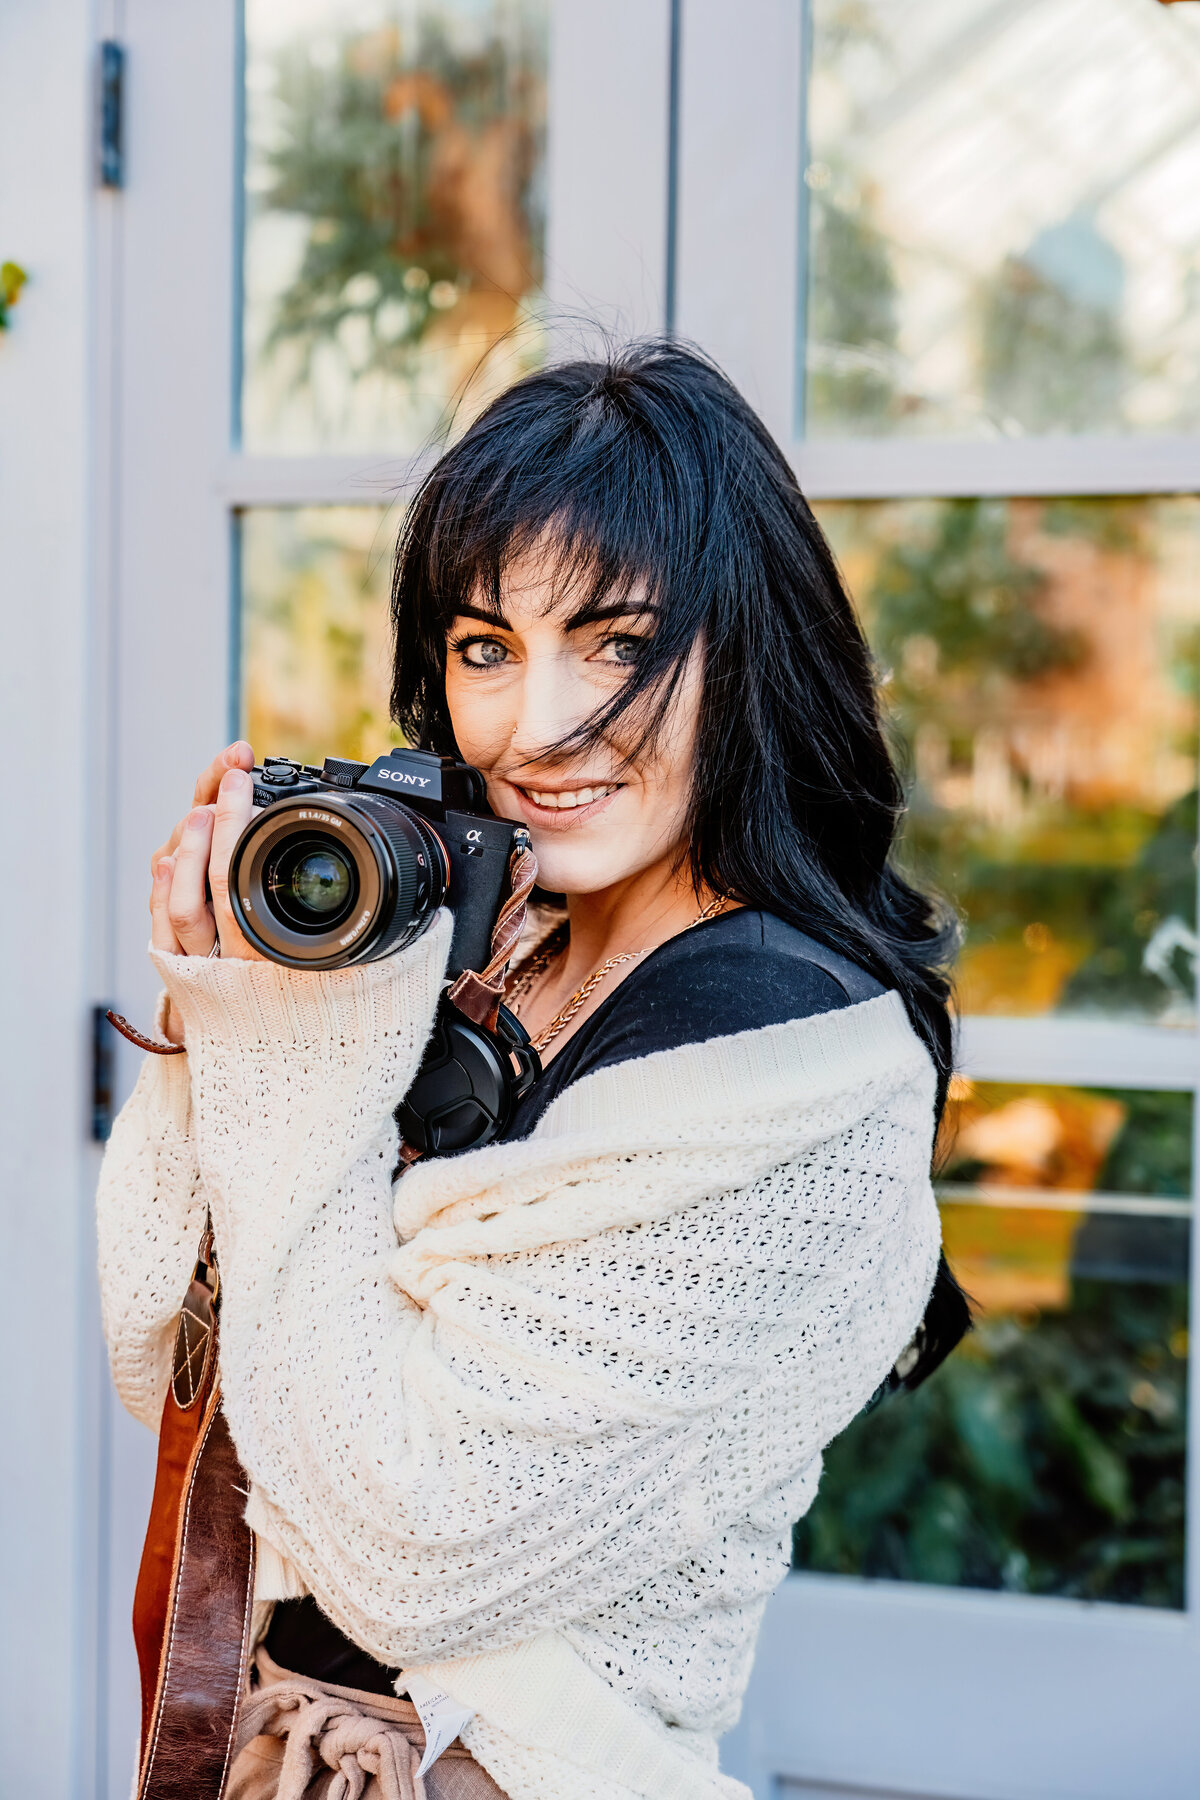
<point x="558" y="808"/>
<point x="569" y="797"/>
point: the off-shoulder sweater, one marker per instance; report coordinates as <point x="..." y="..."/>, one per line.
<point x="538" y="1418"/>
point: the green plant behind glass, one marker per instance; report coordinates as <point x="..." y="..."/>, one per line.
<point x="961" y="622"/>
<point x="1047" y="1456"/>
<point x="12" y="280"/>
<point x="355" y="153"/>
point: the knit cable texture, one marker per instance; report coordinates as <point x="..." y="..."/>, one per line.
<point x="558" y="1399"/>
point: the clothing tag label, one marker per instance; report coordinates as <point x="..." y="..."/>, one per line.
<point x="442" y="1717"/>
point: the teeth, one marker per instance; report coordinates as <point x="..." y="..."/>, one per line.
<point x="580" y="797"/>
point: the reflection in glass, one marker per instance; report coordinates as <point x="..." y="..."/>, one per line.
<point x="1004" y="220"/>
<point x="1047" y="1456"/>
<point x="394" y="231"/>
<point x="316" y="654"/>
<point x="1041" y="661"/>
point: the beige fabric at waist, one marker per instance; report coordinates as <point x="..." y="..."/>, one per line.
<point x="300" y="1739"/>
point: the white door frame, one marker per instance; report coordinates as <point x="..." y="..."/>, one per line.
<point x="180" y="481"/>
<point x="887" y="1687"/>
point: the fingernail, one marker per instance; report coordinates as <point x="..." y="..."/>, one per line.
<point x="163" y="868"/>
<point x="233" y="779"/>
<point x="198" y="819"/>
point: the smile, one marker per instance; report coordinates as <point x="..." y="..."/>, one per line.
<point x="560" y="807"/>
<point x="569" y="797"/>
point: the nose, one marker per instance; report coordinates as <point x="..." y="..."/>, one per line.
<point x="550" y="704"/>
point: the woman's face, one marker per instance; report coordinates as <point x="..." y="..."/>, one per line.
<point x="518" y="683"/>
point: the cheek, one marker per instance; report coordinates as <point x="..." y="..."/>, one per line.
<point x="665" y="785"/>
<point x="482" y="726"/>
<point x="660" y="819"/>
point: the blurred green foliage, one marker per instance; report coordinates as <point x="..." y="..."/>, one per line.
<point x="354" y="151"/>
<point x="962" y="626"/>
<point x="1049" y="360"/>
<point x="851" y="319"/>
<point x="1152" y="1152"/>
<point x="1126" y="907"/>
<point x="965" y="591"/>
<point x="12" y="279"/>
<point x="1047" y="1456"/>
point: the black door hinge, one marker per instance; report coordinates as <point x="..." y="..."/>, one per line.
<point x="110" y="116"/>
<point x="103" y="1075"/>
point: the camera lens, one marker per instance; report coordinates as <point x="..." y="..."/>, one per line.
<point x="312" y="885"/>
<point x="321" y="880"/>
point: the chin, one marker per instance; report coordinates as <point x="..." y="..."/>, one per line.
<point x="574" y="869"/>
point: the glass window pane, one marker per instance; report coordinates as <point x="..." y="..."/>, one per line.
<point x="1047" y="1456"/>
<point x="316" y="655"/>
<point x="394" y="216"/>
<point x="1004" y="219"/>
<point x="1041" y="662"/>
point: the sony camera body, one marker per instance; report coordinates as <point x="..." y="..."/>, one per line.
<point x="349" y="862"/>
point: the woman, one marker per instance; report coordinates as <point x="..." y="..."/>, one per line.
<point x="537" y="1421"/>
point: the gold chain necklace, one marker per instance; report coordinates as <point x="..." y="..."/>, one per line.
<point x="527" y="974"/>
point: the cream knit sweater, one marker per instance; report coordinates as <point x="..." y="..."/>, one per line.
<point x="542" y="1415"/>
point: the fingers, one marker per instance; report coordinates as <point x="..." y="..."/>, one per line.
<point x="187" y="907"/>
<point x="193" y="864"/>
<point x="235" y="803"/>
<point x="162" y="932"/>
<point x="234" y="756"/>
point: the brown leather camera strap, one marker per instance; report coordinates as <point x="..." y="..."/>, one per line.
<point x="195" y="1588"/>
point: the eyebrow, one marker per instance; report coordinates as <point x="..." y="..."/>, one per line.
<point x="616" y="609"/>
<point x="587" y="615"/>
<point x="467" y="611"/>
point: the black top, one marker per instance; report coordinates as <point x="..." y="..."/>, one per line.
<point x="738" y="972"/>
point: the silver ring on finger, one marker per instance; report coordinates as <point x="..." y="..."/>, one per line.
<point x="216" y="949"/>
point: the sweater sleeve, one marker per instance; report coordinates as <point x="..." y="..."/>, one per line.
<point x="150" y="1213"/>
<point x="458" y="1456"/>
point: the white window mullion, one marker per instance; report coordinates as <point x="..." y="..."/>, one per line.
<point x="1078" y="1052"/>
<point x="739" y="194"/>
<point x="884" y="469"/>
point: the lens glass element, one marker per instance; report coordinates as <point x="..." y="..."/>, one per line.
<point x="312" y="883"/>
<point x="321" y="882"/>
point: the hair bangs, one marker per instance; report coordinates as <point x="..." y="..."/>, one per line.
<point x="608" y="503"/>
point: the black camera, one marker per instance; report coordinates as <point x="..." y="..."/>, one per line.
<point x="349" y="862"/>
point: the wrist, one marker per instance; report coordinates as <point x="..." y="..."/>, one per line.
<point x="255" y="1006"/>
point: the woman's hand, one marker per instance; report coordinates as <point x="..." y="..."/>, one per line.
<point x="183" y="920"/>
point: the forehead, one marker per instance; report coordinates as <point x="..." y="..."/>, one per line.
<point x="551" y="585"/>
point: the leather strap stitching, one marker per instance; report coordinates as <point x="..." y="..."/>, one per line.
<point x="134" y="1036"/>
<point x="165" y="1675"/>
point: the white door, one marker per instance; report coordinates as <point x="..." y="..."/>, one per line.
<point x="341" y="219"/>
<point x="947" y="246"/>
<point x="952" y="247"/>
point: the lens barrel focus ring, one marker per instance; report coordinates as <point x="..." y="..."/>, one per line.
<point x="419" y="872"/>
<point x="321" y="881"/>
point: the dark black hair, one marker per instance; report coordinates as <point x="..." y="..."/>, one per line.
<point x="647" y="473"/>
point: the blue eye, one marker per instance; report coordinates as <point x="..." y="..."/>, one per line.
<point x="624" y="650"/>
<point x="483" y="653"/>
